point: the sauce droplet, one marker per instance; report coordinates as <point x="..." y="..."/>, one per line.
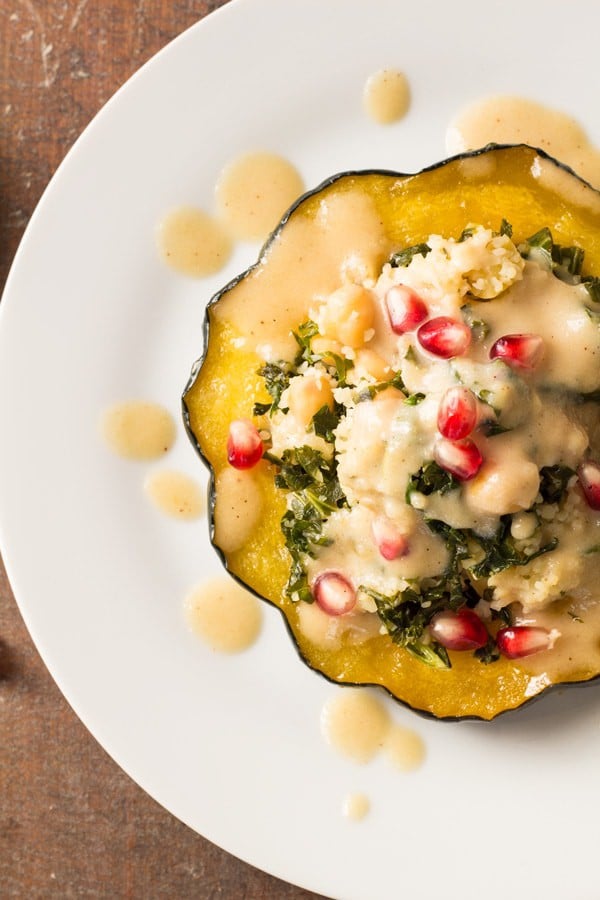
<point x="404" y="748"/>
<point x="224" y="615"/>
<point x="138" y="430"/>
<point x="356" y="806"/>
<point x="175" y="494"/>
<point x="505" y="119"/>
<point x="356" y="724"/>
<point x="192" y="242"/>
<point x="386" y="96"/>
<point x="254" y="191"/>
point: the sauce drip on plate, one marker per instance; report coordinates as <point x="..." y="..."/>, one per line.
<point x="514" y="120"/>
<point x="193" y="242"/>
<point x="224" y="615"/>
<point x="175" y="494"/>
<point x="138" y="430"/>
<point x="386" y="96"/>
<point x="254" y="191"/>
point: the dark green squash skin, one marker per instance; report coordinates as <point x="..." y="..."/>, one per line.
<point x="197" y="365"/>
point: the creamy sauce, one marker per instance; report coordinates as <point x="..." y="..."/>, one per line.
<point x="254" y="191"/>
<point x="224" y="614"/>
<point x="357" y="725"/>
<point x="193" y="243"/>
<point x="356" y="807"/>
<point x="404" y="748"/>
<point x="386" y="96"/>
<point x="512" y="120"/>
<point x="175" y="494"/>
<point x="238" y="512"/>
<point x="138" y="430"/>
<point x="346" y="239"/>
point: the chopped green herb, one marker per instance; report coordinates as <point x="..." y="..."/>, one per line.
<point x="324" y="423"/>
<point x="403" y="258"/>
<point x="431" y="479"/>
<point x="414" y="399"/>
<point x="574" y="616"/>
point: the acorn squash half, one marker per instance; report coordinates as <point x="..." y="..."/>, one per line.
<point x="357" y="219"/>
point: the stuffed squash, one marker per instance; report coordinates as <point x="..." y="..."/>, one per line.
<point x="399" y="407"/>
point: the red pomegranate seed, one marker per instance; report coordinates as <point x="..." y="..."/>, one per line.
<point x="391" y="542"/>
<point x="462" y="459"/>
<point x="457" y="414"/>
<point x="462" y="630"/>
<point x="244" y="444"/>
<point x="589" y="479"/>
<point x="444" y="337"/>
<point x="524" y="351"/>
<point x="523" y="640"/>
<point x="333" y="593"/>
<point x="405" y="309"/>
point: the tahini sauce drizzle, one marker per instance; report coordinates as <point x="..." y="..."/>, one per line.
<point x="192" y="242"/>
<point x="223" y="614"/>
<point x="357" y="725"/>
<point x="512" y="120"/>
<point x="175" y="494"/>
<point x="356" y="806"/>
<point x="386" y="96"/>
<point x="253" y="192"/>
<point x="138" y="430"/>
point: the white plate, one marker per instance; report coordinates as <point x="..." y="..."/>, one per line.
<point x="232" y="746"/>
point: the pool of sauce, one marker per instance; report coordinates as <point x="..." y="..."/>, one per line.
<point x="192" y="242"/>
<point x="138" y="430"/>
<point x="506" y="119"/>
<point x="253" y="192"/>
<point x="225" y="615"/>
<point x="175" y="494"/>
<point x="386" y="96"/>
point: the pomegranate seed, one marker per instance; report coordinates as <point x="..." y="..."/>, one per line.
<point x="523" y="640"/>
<point x="444" y="337"/>
<point x="390" y="541"/>
<point x="333" y="593"/>
<point x="589" y="479"/>
<point x="405" y="309"/>
<point x="462" y="459"/>
<point x="462" y="630"/>
<point x="244" y="444"/>
<point x="457" y="415"/>
<point x="524" y="351"/>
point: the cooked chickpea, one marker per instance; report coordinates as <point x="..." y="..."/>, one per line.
<point x="348" y="315"/>
<point x="307" y="394"/>
<point x="501" y="489"/>
<point x="326" y="346"/>
<point x="371" y="363"/>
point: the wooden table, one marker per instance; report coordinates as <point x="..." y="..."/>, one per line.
<point x="72" y="823"/>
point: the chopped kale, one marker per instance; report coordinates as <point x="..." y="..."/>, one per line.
<point x="314" y="493"/>
<point x="403" y="258"/>
<point x="406" y="619"/>
<point x="431" y="479"/>
<point x="277" y="378"/>
<point x="325" y="421"/>
<point x="414" y="399"/>
<point x="554" y="481"/>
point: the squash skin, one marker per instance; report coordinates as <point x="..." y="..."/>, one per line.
<point x="470" y="690"/>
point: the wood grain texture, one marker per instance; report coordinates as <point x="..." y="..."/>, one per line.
<point x="72" y="824"/>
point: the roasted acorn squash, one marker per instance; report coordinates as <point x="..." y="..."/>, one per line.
<point x="355" y="220"/>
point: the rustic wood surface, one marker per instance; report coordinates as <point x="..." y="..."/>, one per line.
<point x="72" y="824"/>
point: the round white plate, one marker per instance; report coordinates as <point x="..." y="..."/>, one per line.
<point x="232" y="745"/>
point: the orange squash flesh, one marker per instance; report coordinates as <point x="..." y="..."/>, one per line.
<point x="483" y="188"/>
